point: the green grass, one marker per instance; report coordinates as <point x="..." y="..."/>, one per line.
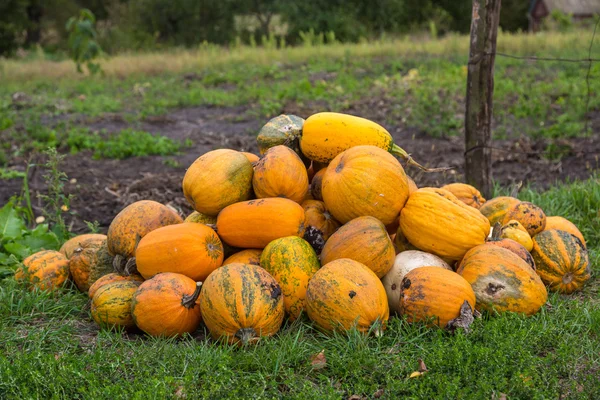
<point x="49" y="348"/>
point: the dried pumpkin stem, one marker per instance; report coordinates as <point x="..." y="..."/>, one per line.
<point x="496" y="231"/>
<point x="119" y="263"/>
<point x="130" y="266"/>
<point x="400" y="152"/>
<point x="189" y="301"/>
<point x="245" y="335"/>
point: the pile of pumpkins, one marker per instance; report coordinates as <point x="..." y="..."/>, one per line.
<point x="325" y="223"/>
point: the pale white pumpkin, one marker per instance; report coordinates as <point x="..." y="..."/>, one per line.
<point x="403" y="264"/>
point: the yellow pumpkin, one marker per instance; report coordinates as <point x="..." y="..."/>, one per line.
<point x="466" y="193"/>
<point x="111" y="304"/>
<point x="561" y="259"/>
<point x="435" y="221"/>
<point x="412" y="186"/>
<point x="253" y="158"/>
<point x="280" y="173"/>
<point x="200" y="218"/>
<point x="45" y="270"/>
<point x="111" y="278"/>
<point x="563" y="224"/>
<point x="248" y="256"/>
<point x="82" y="260"/>
<point x="217" y="179"/>
<point x="529" y="215"/>
<point x="70" y="245"/>
<point x="364" y="239"/>
<point x="502" y="281"/>
<point x="495" y="209"/>
<point x="316" y="185"/>
<point x="292" y="262"/>
<point x="515" y="231"/>
<point x="365" y="180"/>
<point x="255" y="223"/>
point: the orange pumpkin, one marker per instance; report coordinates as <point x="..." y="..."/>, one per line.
<point x="562" y="260"/>
<point x="200" y="218"/>
<point x="292" y="262"/>
<point x="82" y="260"/>
<point x="495" y="209"/>
<point x="101" y="264"/>
<point x="344" y="294"/>
<point x="564" y="224"/>
<point x="193" y="250"/>
<point x="131" y="225"/>
<point x="70" y="245"/>
<point x="111" y="278"/>
<point x="241" y="303"/>
<point x="255" y="223"/>
<point x="365" y="180"/>
<point x="412" y="186"/>
<point x="435" y="221"/>
<point x="365" y="240"/>
<point x="502" y="281"/>
<point x="529" y="215"/>
<point x="167" y="305"/>
<point x="319" y="223"/>
<point x="217" y="179"/>
<point x="434" y="295"/>
<point x="280" y="173"/>
<point x="511" y="245"/>
<point x="45" y="270"/>
<point x="466" y="193"/>
<point x="111" y="304"/>
<point x="316" y="185"/>
<point x="253" y="158"/>
<point x="248" y="256"/>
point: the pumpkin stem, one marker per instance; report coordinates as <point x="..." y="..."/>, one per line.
<point x="515" y="189"/>
<point x="189" y="301"/>
<point x="245" y="335"/>
<point x="130" y="266"/>
<point x="464" y="320"/>
<point x="400" y="152"/>
<point x="496" y="232"/>
<point x="118" y="263"/>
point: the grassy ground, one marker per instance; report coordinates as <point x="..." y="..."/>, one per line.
<point x="49" y="348"/>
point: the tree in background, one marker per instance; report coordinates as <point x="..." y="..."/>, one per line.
<point x="13" y="21"/>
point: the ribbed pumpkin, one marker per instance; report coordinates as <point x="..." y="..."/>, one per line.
<point x="529" y="215"/>
<point x="200" y="218"/>
<point x="193" y="250"/>
<point x="217" y="179"/>
<point x="435" y="221"/>
<point x="316" y="185"/>
<point x="241" y="303"/>
<point x="102" y="264"/>
<point x="495" y="209"/>
<point x="466" y="193"/>
<point x="434" y="295"/>
<point x="253" y="158"/>
<point x="70" y="245"/>
<point x="111" y="278"/>
<point x="344" y="294"/>
<point x="111" y="304"/>
<point x="563" y="224"/>
<point x="327" y="134"/>
<point x="365" y="240"/>
<point x="255" y="223"/>
<point x="511" y="245"/>
<point x="45" y="270"/>
<point x="82" y="260"/>
<point x="280" y="173"/>
<point x="248" y="256"/>
<point x="167" y="305"/>
<point x="562" y="260"/>
<point x="502" y="281"/>
<point x="515" y="231"/>
<point x="319" y="223"/>
<point x="131" y="225"/>
<point x="412" y="186"/>
<point x="281" y="130"/>
<point x="292" y="262"/>
<point x="365" y="180"/>
<point x="403" y="264"/>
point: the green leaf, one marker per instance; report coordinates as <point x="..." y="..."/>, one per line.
<point x="8" y="259"/>
<point x="17" y="249"/>
<point x="11" y="225"/>
<point x="40" y="241"/>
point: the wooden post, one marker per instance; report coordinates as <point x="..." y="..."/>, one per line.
<point x="480" y="91"/>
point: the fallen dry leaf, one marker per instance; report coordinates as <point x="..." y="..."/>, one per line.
<point x="355" y="397"/>
<point x="378" y="393"/>
<point x="318" y="361"/>
<point x="422" y="366"/>
<point x="415" y="374"/>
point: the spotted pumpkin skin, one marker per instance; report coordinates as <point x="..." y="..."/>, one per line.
<point x="247" y="256"/>
<point x="70" y="245"/>
<point x="254" y="224"/>
<point x="364" y="240"/>
<point x="365" y="181"/>
<point x="200" y="218"/>
<point x="529" y="215"/>
<point x="281" y="130"/>
<point x="167" y="305"/>
<point x="562" y="261"/>
<point x="45" y="270"/>
<point x="111" y="278"/>
<point x="316" y="185"/>
<point x="563" y="224"/>
<point x="292" y="262"/>
<point x="515" y="231"/>
<point x="133" y="223"/>
<point x="466" y="193"/>
<point x="435" y="221"/>
<point x="320" y="224"/>
<point x="502" y="281"/>
<point x="193" y="250"/>
<point x="280" y="173"/>
<point x="516" y="248"/>
<point x="253" y="158"/>
<point x="217" y="179"/>
<point x="240" y="303"/>
<point x="495" y="209"/>
<point x="82" y="260"/>
<point x="344" y="294"/>
<point x="101" y="264"/>
<point x="434" y="295"/>
<point x="111" y="304"/>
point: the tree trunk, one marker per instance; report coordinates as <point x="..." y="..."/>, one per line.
<point x="480" y="91"/>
